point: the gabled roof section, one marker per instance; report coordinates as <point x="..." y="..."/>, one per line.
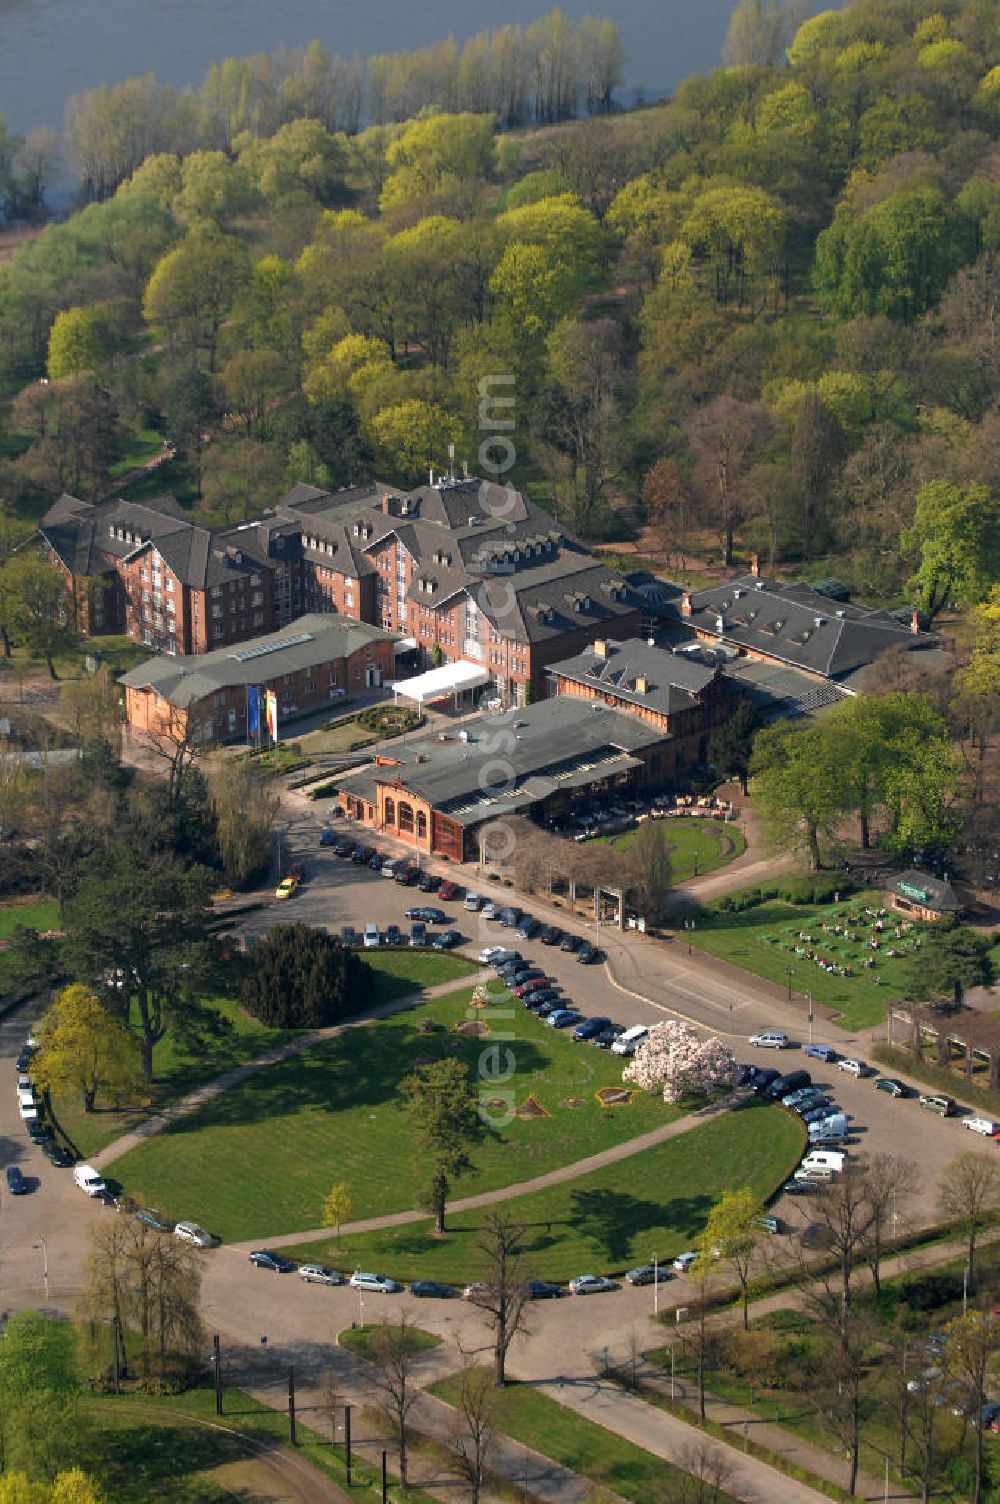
<point x="639" y="674"/>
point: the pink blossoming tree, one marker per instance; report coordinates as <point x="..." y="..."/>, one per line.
<point x="678" y="1060"/>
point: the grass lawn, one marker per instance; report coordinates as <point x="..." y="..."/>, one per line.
<point x="359" y="1339"/>
<point x="260" y="1158"/>
<point x="400" y="971"/>
<point x="597" y="1454"/>
<point x="696" y="846"/>
<point x="36" y="913"/>
<point x="141" y="445"/>
<point x="144" y="1450"/>
<point x="764" y="940"/>
<point x="609" y="1219"/>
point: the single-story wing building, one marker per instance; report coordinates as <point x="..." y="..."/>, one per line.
<point x="309" y="665"/>
<point x="918" y="895"/>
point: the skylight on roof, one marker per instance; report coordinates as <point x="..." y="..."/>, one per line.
<point x="262" y="649"/>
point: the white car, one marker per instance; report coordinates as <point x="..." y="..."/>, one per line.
<point x="380" y="1283"/>
<point x="771" y="1039"/>
<point x="490" y="910"/>
<point x="852" y="1067"/>
<point x="591" y="1284"/>
<point x="319" y="1274"/>
<point x="682" y="1263"/>
<point x="190" y="1232"/>
<point x="472" y="902"/>
<point x="487" y="954"/>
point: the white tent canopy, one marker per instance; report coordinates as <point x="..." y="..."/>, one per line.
<point x="449" y="679"/>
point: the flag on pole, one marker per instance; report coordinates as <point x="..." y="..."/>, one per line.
<point x="253" y="709"/>
<point x="272" y="715"/>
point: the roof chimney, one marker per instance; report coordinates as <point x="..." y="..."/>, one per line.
<point x="686" y="606"/>
<point x="915" y="620"/>
<point x="641" y="685"/>
<point x="755" y="566"/>
<point x="601" y="647"/>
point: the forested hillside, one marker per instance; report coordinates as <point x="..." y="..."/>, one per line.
<point x="760" y="317"/>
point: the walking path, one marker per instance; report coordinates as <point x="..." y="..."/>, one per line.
<point x="613" y="1155"/>
<point x="304" y="1041"/>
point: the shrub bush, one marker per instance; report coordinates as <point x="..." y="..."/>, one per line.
<point x="303" y="979"/>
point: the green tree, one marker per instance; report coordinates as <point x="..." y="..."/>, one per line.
<point x="338" y="1206"/>
<point x="194" y="286"/>
<point x="733" y="1234"/>
<point x="442" y="1106"/>
<point x="301" y="978"/>
<point x="952" y="959"/>
<point x="798" y="781"/>
<point x="36" y="607"/>
<point x="410" y="436"/>
<point x="956" y="530"/>
<point x="38" y="1388"/>
<point x="730" y="746"/>
<point x="970" y="1345"/>
<point x="884" y="742"/>
<point x="136" y="932"/>
<point x="245" y="805"/>
<point x="77" y="342"/>
<point x="189" y="408"/>
<point x="251" y="380"/>
<point x="84" y="1048"/>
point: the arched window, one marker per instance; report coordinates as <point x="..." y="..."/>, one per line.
<point x="406" y="819"/>
<point x="421" y="825"/>
<point x="390" y="811"/>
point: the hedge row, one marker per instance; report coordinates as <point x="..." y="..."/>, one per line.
<point x="815" y="888"/>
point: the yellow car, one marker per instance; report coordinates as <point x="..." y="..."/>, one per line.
<point x="287" y="887"/>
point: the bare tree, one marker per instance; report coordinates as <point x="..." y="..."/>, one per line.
<point x="647" y="869"/>
<point x="844" y="1212"/>
<point x="174" y="744"/>
<point x="889" y="1182"/>
<point x="708" y="1472"/>
<point x="245" y="804"/>
<point x="474" y="1434"/>
<point x="726" y="437"/>
<point x="844" y="1400"/>
<point x="501" y="1295"/>
<point x="970" y="1344"/>
<point x="151" y="1282"/>
<point x="701" y="1340"/>
<point x="926" y="1404"/>
<point x="969" y="1193"/>
<point x="394" y="1352"/>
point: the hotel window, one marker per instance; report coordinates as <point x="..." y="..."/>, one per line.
<point x="169" y="586"/>
<point x="309" y="687"/>
<point x="255" y="579"/>
<point x="258" y="618"/>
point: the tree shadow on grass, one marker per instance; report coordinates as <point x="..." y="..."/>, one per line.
<point x="147" y="1462"/>
<point x="360" y="1068"/>
<point x="612" y="1220"/>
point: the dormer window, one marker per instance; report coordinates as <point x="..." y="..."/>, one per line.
<point x="357" y="530"/>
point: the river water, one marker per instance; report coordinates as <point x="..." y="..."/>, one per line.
<point x="51" y="49"/>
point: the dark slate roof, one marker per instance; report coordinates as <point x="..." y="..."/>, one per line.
<point x="797" y="625"/>
<point x="564" y="594"/>
<point x="559" y="743"/>
<point x="940" y="895"/>
<point x="86" y="537"/>
<point x="673" y="682"/>
<point x="310" y="640"/>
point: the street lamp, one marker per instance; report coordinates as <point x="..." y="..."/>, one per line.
<point x="656" y="1286"/>
<point x="810" y="1002"/>
<point x="689" y="926"/>
<point x="45" y="1260"/>
<point x="789" y="973"/>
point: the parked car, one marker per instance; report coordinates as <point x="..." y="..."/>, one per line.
<point x="150" y="1217"/>
<point x="446" y="939"/>
<point x="591" y="1284"/>
<point x="319" y="1274"/>
<point x="817" y="1112"/>
<point x="591" y="1027"/>
<point x="542" y="1001"/>
<point x="542" y="1289"/>
<point x="587" y="954"/>
<point x="548" y="1006"/>
<point x="429" y="882"/>
<point x="266" y="1258"/>
<point x="16" y="1183"/>
<point x="763" y="1079"/>
<point x="770" y="1224"/>
<point x="375" y="861"/>
<point x="489" y="910"/>
<point x="410" y="877"/>
<point x="771" y="1039"/>
<point x="852" y="1067"/>
<point x="431" y="1289"/>
<point x="372" y="937"/>
<point x="57" y="1156"/>
<point x="287" y="888"/>
<point x="349" y="936"/>
<point x="38" y="1132"/>
<point x="606" y="1039"/>
<point x="362" y="855"/>
<point x="682" y="1263"/>
<point x="381" y="1284"/>
<point x="799" y="1187"/>
<point x="449" y="891"/>
<point x="569" y="942"/>
<point x="550" y="934"/>
<point x="344" y="848"/>
<point x="892" y="1086"/>
<point x="562" y="1018"/>
<point x="428" y="914"/>
<point x="472" y="902"/>
<point x="418" y="934"/>
<point x="25" y="1056"/>
<point x="646" y="1274"/>
<point x="822" y="1052"/>
<point x="393" y="935"/>
<point x="527" y="927"/>
<point x="509" y="918"/>
<point x="326" y="836"/>
<point x="190" y="1232"/>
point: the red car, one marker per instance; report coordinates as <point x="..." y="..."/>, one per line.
<point x="449" y="890"/>
<point x="535" y="985"/>
<point x="297" y="871"/>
